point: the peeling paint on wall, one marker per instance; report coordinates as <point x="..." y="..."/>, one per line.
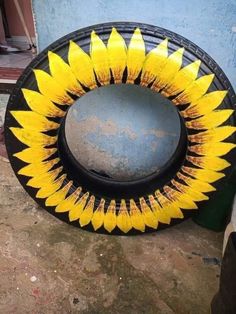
<point x="111" y="131"/>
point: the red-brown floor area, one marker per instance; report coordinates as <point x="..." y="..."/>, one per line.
<point x="10" y="73"/>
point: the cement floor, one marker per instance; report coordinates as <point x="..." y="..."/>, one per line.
<point x="49" y="267"/>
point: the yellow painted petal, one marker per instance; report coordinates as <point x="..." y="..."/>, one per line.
<point x="50" y="88"/>
<point x="173" y="64"/>
<point x="196" y="184"/>
<point x="206" y="162"/>
<point x="210" y="120"/>
<point x="194" y="194"/>
<point x="123" y="218"/>
<point x="44" y="178"/>
<point x="182" y="79"/>
<point x="33" y="138"/>
<point x="50" y="188"/>
<point x="213" y="135"/>
<point x="59" y="196"/>
<point x="77" y="209"/>
<point x="87" y="213"/>
<point x="136" y="217"/>
<point x="212" y="149"/>
<point x="81" y="65"/>
<point x="33" y="121"/>
<point x="35" y="154"/>
<point x="135" y="56"/>
<point x="172" y="208"/>
<point x="205" y="104"/>
<point x="38" y="167"/>
<point x="205" y="175"/>
<point x="110" y="217"/>
<point x="154" y="63"/>
<point x="158" y="211"/>
<point x="182" y="200"/>
<point x="98" y="216"/>
<point x="63" y="74"/>
<point x="68" y="203"/>
<point x="100" y="59"/>
<point x="195" y="91"/>
<point x="117" y="53"/>
<point x="41" y="104"/>
<point x="149" y="218"/>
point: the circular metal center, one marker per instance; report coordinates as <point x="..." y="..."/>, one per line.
<point x="124" y="132"/>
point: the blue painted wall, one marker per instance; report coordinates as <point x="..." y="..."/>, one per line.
<point x="210" y="24"/>
<point x="129" y="133"/>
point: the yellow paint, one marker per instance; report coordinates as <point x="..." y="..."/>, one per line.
<point x="149" y="218"/>
<point x="183" y="201"/>
<point x="135" y="56"/>
<point x="33" y="138"/>
<point x="123" y="218"/>
<point x="212" y="149"/>
<point x="77" y="209"/>
<point x="158" y="211"/>
<point x="169" y="206"/>
<point x="206" y="162"/>
<point x="205" y="104"/>
<point x="194" y="194"/>
<point x="81" y="65"/>
<point x="195" y="91"/>
<point x="110" y="217"/>
<point x="98" y="216"/>
<point x="43" y="179"/>
<point x="171" y="68"/>
<point x="50" y="88"/>
<point x="35" y="154"/>
<point x="154" y="62"/>
<point x="63" y="74"/>
<point x="49" y="189"/>
<point x="182" y="79"/>
<point x="117" y="53"/>
<point x="34" y="121"/>
<point x="87" y="213"/>
<point x="213" y="135"/>
<point x="38" y="167"/>
<point x="59" y="196"/>
<point x="41" y="104"/>
<point x="205" y="175"/>
<point x="69" y="202"/>
<point x="136" y="217"/>
<point x="196" y="184"/>
<point x="100" y="59"/>
<point x="210" y="120"/>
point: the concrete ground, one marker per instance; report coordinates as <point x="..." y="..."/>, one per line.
<point x="49" y="267"/>
<point x="3" y="102"/>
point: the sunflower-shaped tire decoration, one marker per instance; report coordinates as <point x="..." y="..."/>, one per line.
<point x="116" y="53"/>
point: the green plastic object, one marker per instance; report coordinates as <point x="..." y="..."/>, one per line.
<point x="216" y="214"/>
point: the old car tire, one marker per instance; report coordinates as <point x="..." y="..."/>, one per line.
<point x="115" y="53"/>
